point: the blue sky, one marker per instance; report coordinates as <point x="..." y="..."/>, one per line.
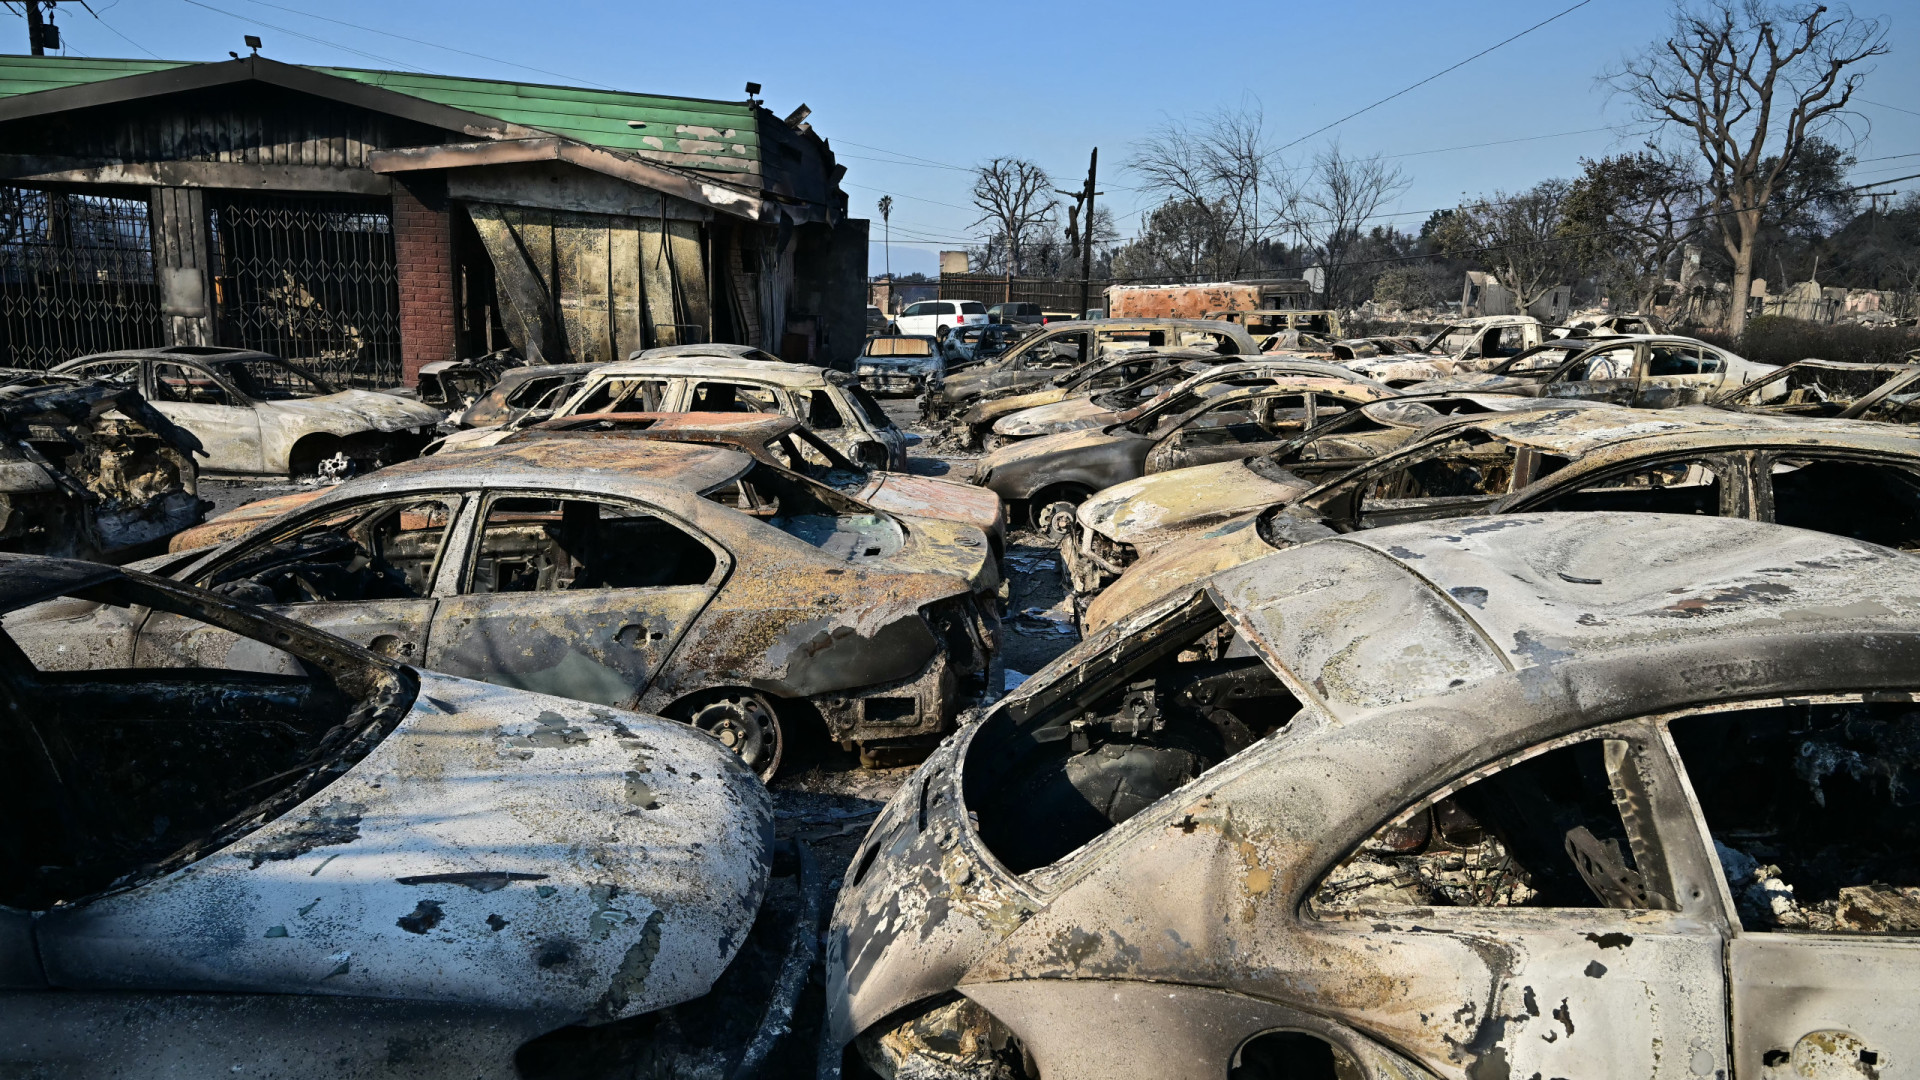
<point x="911" y="96"/>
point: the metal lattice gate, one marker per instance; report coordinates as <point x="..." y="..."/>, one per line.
<point x="76" y="276"/>
<point x="311" y="280"/>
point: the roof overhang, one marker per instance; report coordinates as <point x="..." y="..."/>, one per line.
<point x="723" y="198"/>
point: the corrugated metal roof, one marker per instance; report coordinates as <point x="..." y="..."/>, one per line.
<point x="715" y="135"/>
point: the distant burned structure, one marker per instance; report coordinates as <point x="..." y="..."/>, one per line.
<point x="364" y="223"/>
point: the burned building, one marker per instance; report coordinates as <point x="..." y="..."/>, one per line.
<point x="364" y="223"/>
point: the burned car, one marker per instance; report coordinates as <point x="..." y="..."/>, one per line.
<point x="776" y="440"/>
<point x="522" y="390"/>
<point x="1556" y="795"/>
<point x="1051" y="475"/>
<point x="1466" y="345"/>
<point x="1130" y="374"/>
<point x="1198" y="377"/>
<point x="255" y="413"/>
<point x="1119" y="525"/>
<point x="688" y="581"/>
<point x="89" y="470"/>
<point x="249" y="847"/>
<point x="1858" y="480"/>
<point x="1643" y="372"/>
<point x="1066" y="345"/>
<point x="453" y="385"/>
<point x="1889" y="393"/>
<point x="900" y="364"/>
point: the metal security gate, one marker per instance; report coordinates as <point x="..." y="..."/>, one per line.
<point x="76" y="276"/>
<point x="311" y="280"/>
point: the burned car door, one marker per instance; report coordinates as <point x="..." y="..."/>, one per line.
<point x="365" y="572"/>
<point x="583" y="598"/>
<point x="1806" y="806"/>
<point x="1532" y="903"/>
<point x="226" y="425"/>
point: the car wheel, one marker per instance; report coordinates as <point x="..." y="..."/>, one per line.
<point x="991" y="442"/>
<point x="745" y="723"/>
<point x="1055" y="518"/>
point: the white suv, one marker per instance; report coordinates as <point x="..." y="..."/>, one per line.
<point x="927" y="316"/>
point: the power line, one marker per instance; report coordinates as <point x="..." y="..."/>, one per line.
<point x="1435" y="75"/>
<point x="913" y="158"/>
<point x="116" y="32"/>
<point x="307" y="37"/>
<point x="1884" y="105"/>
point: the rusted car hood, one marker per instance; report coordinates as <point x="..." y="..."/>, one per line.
<point x="242" y="520"/>
<point x="1072" y="414"/>
<point x="359" y="410"/>
<point x="925" y="496"/>
<point x="1158" y="508"/>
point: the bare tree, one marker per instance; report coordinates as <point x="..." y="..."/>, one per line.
<point x="1627" y="218"/>
<point x="1216" y="176"/>
<point x="1518" y="235"/>
<point x="1343" y="194"/>
<point x="1747" y="82"/>
<point x="1015" y="198"/>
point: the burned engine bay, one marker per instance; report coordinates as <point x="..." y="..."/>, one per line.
<point x="1047" y="775"/>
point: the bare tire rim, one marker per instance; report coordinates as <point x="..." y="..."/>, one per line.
<point x="1056" y="518"/>
<point x="746" y="725"/>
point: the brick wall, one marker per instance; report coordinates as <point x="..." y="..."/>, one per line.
<point x="423" y="250"/>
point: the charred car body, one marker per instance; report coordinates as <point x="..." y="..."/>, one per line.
<point x="1053" y="474"/>
<point x="776" y="440"/>
<point x="1857" y="480"/>
<point x="90" y="471"/>
<point x="1130" y="375"/>
<point x="1644" y="372"/>
<point x="1456" y="799"/>
<point x="900" y="364"/>
<point x="1889" y="393"/>
<point x="255" y="413"/>
<point x="254" y="848"/>
<point x="1066" y="345"/>
<point x="685" y="580"/>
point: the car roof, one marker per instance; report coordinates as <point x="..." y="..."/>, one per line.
<point x="744" y="352"/>
<point x="1431" y="606"/>
<point x="644" y="468"/>
<point x="782" y="374"/>
<point x="30" y="579"/>
<point x="1583" y="429"/>
<point x="201" y="353"/>
<point x="534" y="371"/>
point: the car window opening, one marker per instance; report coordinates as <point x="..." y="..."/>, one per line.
<point x="1864" y="500"/>
<point x="1544" y="832"/>
<point x="131" y="771"/>
<point x="1673" y="487"/>
<point x="812" y="513"/>
<point x="389" y="551"/>
<point x="530" y="544"/>
<point x="1813" y="812"/>
<point x="1133" y="725"/>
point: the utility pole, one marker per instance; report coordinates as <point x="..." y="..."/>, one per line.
<point x="37" y="35"/>
<point x="1086" y="234"/>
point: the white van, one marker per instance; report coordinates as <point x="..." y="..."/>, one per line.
<point x="927" y="316"/>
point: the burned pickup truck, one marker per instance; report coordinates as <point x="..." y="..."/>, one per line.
<point x="1607" y="795"/>
<point x="89" y="470"/>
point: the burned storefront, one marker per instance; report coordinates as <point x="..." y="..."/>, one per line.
<point x="365" y="223"/>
